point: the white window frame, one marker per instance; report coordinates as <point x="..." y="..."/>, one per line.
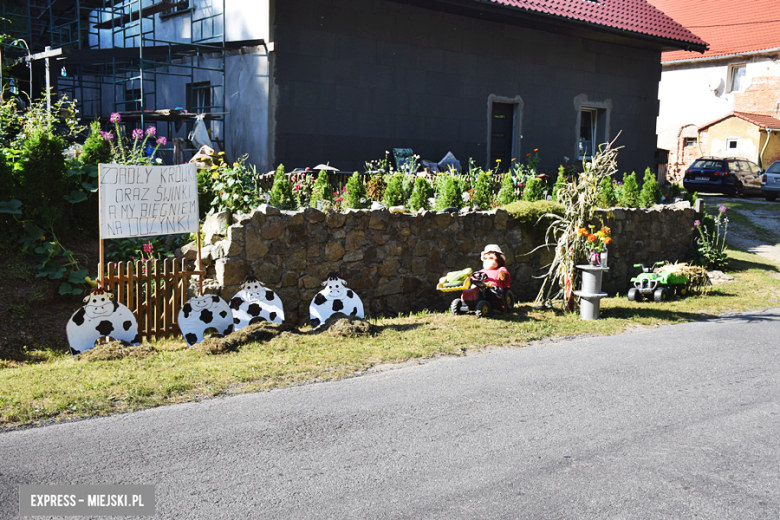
<point x="733" y="69"/>
<point x="594" y="127"/>
<point x="728" y="150"/>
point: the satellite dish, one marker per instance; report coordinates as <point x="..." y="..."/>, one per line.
<point x="715" y="85"/>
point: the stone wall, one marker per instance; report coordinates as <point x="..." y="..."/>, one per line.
<point x="394" y="260"/>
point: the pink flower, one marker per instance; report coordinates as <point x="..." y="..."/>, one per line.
<point x="148" y="248"/>
<point x="696" y="223"/>
<point x="722" y="209"/>
<point x="151" y="131"/>
<point x="137" y="134"/>
<point x="115" y="118"/>
<point x="162" y="140"/>
<point x="297" y="187"/>
<point x="107" y="135"/>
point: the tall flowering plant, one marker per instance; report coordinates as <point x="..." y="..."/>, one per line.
<point x="140" y="149"/>
<point x="709" y="249"/>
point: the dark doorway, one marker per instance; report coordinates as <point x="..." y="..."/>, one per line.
<point x="502" y="124"/>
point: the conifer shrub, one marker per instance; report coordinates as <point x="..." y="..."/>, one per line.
<point x="355" y="196"/>
<point x="630" y="195"/>
<point x="560" y="183"/>
<point x="450" y="193"/>
<point x="422" y="192"/>
<point x="534" y="190"/>
<point x="321" y="189"/>
<point x="376" y="187"/>
<point x="607" y="197"/>
<point x="281" y="192"/>
<point x="394" y="194"/>
<point x="651" y="191"/>
<point x="42" y="179"/>
<point x="96" y="149"/>
<point x="506" y="195"/>
<point x="482" y="197"/>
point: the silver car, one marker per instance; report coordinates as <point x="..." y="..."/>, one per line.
<point x="770" y="182"/>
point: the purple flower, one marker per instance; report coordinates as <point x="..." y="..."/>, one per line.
<point x="115" y="118"/>
<point x="138" y="134"/>
<point x="107" y="135"/>
<point x="696" y="223"/>
<point x="151" y="131"/>
<point x="722" y="209"/>
<point x="162" y="140"/>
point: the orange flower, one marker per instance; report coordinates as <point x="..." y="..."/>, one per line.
<point x="606" y="230"/>
<point x="592" y="238"/>
<point x="528" y="155"/>
<point x="582" y="231"/>
<point x="608" y="241"/>
<point x="536" y="149"/>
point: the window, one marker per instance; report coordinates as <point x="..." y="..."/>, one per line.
<point x="199" y="97"/>
<point x="180" y="7"/>
<point x="593" y="129"/>
<point x="732" y="146"/>
<point x="737" y="77"/>
<point x="132" y="101"/>
<point x="689" y="142"/>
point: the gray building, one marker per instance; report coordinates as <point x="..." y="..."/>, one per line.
<point x="303" y="82"/>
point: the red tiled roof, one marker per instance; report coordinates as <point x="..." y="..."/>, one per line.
<point x="729" y="27"/>
<point x="633" y="16"/>
<point x="759" y="120"/>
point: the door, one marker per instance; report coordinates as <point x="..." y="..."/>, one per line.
<point x="502" y="124"/>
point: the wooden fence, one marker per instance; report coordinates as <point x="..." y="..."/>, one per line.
<point x="154" y="290"/>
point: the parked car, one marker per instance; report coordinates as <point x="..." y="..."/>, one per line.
<point x="770" y="182"/>
<point x="729" y="176"/>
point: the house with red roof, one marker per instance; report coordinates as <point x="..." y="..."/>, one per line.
<point x="306" y="82"/>
<point x="726" y="101"/>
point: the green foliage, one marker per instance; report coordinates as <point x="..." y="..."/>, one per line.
<point x="651" y="191"/>
<point x="281" y="193"/>
<point x="629" y="197"/>
<point x="321" y="189"/>
<point x="482" y="198"/>
<point x="355" y="195"/>
<point x="234" y="188"/>
<point x="376" y="187"/>
<point x="394" y="194"/>
<point x="560" y="183"/>
<point x="531" y="212"/>
<point x="506" y="194"/>
<point x="96" y="149"/>
<point x="709" y="248"/>
<point x="7" y="180"/>
<point x="607" y="197"/>
<point x="534" y="190"/>
<point x="42" y="182"/>
<point x="449" y="194"/>
<point x="205" y="192"/>
<point x="422" y="192"/>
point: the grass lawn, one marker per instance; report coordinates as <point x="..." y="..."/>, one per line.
<point x="59" y="388"/>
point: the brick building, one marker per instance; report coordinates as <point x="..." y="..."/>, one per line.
<point x="739" y="73"/>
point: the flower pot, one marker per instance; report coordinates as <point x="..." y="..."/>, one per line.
<point x="594" y="258"/>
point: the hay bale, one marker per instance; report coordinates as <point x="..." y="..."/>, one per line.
<point x="696" y="274"/>
<point x="116" y="350"/>
<point x="341" y="325"/>
<point x="213" y="345"/>
<point x="254" y="333"/>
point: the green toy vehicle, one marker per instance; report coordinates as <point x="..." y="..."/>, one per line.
<point x="657" y="286"/>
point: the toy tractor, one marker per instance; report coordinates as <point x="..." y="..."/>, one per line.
<point x="476" y="296"/>
<point x="657" y="286"/>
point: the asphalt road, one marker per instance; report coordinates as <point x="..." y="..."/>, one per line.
<point x="676" y="422"/>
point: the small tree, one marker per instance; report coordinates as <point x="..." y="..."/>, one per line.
<point x="394" y="194"/>
<point x="96" y="149"/>
<point x="651" y="191"/>
<point x="422" y="192"/>
<point x="560" y="183"/>
<point x="321" y="189"/>
<point x="506" y="194"/>
<point x="630" y="196"/>
<point x="482" y="196"/>
<point x="534" y="190"/>
<point x="449" y="195"/>
<point x="281" y="192"/>
<point x="356" y="193"/>
<point x="42" y="179"/>
<point x="607" y="197"/>
<point x="376" y="187"/>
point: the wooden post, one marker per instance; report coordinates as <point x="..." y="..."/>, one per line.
<point x="199" y="267"/>
<point x="101" y="280"/>
<point x="178" y="150"/>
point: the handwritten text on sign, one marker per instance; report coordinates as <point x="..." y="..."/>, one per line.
<point x="139" y="201"/>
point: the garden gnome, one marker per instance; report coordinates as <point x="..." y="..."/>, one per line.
<point x="494" y="271"/>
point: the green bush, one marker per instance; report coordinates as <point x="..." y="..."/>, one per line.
<point x="355" y="196"/>
<point x="449" y="195"/>
<point x="394" y="194"/>
<point x="422" y="192"/>
<point x="607" y="197"/>
<point x="96" y="149"/>
<point x="534" y="190"/>
<point x="281" y="192"/>
<point x="321" y="190"/>
<point x="506" y="195"/>
<point x="651" y="191"/>
<point x="629" y="197"/>
<point x="42" y="179"/>
<point x="482" y="197"/>
<point x="531" y="212"/>
<point x="560" y="183"/>
<point x="7" y="184"/>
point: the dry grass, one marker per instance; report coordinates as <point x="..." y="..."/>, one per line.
<point x="265" y="357"/>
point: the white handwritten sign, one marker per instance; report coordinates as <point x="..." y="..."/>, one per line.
<point x="140" y="201"/>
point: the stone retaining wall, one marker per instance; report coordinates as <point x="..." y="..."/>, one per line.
<point x="394" y="260"/>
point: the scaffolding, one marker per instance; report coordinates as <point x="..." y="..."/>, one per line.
<point x="122" y="56"/>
